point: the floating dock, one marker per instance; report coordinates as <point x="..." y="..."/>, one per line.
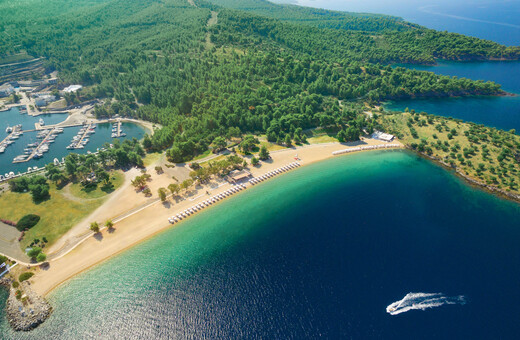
<point x="37" y="149"/>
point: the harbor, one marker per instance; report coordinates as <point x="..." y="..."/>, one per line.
<point x="54" y="146"/>
<point x="37" y="149"/>
<point x="14" y="133"/>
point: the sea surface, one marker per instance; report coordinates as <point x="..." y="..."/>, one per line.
<point x="58" y="148"/>
<point x="499" y="112"/>
<point x="491" y="20"/>
<point x="317" y="253"/>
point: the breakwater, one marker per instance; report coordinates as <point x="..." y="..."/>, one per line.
<point x="27" y="312"/>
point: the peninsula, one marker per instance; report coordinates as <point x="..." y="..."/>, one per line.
<point x="231" y="93"/>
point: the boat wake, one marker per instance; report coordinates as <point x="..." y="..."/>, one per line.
<point x="423" y="301"/>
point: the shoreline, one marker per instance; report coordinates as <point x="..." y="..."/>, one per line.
<point x="153" y="219"/>
<point x="470" y="180"/>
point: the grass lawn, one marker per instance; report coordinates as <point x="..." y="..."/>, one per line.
<point x="321" y="139"/>
<point x="117" y="178"/>
<point x="202" y="155"/>
<point x="151" y="158"/>
<point x="272" y="146"/>
<point x="58" y="214"/>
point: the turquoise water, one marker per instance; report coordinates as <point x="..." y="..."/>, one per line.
<point x="318" y="252"/>
<point x="58" y="148"/>
<point x="499" y="112"/>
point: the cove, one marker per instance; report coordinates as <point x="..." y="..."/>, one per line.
<point x="318" y="252"/>
<point x="58" y="148"/>
<point x="500" y="112"/>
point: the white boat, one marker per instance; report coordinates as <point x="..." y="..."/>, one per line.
<point x="8" y="129"/>
<point x="42" y="123"/>
<point x="19" y="158"/>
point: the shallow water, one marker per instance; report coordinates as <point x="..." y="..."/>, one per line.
<point x="318" y="252"/>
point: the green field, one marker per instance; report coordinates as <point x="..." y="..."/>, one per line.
<point x="62" y="211"/>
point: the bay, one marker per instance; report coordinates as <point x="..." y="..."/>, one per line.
<point x="318" y="252"/>
<point x="499" y="112"/>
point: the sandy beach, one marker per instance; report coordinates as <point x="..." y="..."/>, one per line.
<point x="138" y="218"/>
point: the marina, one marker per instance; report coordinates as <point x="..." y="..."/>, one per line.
<point x="57" y="146"/>
<point x="36" y="150"/>
<point x="14" y="133"/>
<point x="82" y="138"/>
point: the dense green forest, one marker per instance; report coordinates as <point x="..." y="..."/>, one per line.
<point x="256" y="67"/>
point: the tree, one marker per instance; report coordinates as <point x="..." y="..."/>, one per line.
<point x="109" y="224"/>
<point x="34" y="252"/>
<point x="248" y="143"/>
<point x="41" y="257"/>
<point x="254" y="161"/>
<point x="162" y="194"/>
<point x="264" y="153"/>
<point x="219" y="143"/>
<point x="288" y="141"/>
<point x="174" y="188"/>
<point x="94" y="226"/>
<point x="186" y="184"/>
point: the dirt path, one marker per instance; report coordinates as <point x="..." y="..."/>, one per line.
<point x="211" y="22"/>
<point x="191" y="2"/>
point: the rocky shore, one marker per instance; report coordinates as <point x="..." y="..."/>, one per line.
<point x="28" y="312"/>
<point x="490" y="188"/>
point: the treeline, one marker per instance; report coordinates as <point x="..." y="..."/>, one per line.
<point x="157" y="60"/>
<point x="317" y="17"/>
<point x="417" y="45"/>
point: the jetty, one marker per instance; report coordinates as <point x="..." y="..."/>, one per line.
<point x="15" y="133"/>
<point x="83" y="138"/>
<point x="116" y="129"/>
<point x="37" y="149"/>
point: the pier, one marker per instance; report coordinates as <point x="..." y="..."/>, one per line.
<point x="37" y="149"/>
<point x="6" y="142"/>
<point x="79" y="144"/>
<point x="116" y="129"/>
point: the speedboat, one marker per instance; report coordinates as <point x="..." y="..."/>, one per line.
<point x="42" y="123"/>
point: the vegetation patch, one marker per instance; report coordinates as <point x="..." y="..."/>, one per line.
<point x="25" y="276"/>
<point x="27" y="222"/>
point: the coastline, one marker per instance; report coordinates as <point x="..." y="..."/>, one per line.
<point x="152" y="219"/>
<point x="470" y="180"/>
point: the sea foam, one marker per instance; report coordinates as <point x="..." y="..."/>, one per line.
<point x="423" y="301"/>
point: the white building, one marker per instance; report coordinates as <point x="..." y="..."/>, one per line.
<point x="6" y="90"/>
<point x="385" y="137"/>
<point x="72" y="88"/>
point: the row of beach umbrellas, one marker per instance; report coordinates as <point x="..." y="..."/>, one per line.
<point x="274" y="173"/>
<point x="366" y="147"/>
<point x="206" y="203"/>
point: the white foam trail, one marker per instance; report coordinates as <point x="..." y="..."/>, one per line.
<point x="423" y="301"/>
<point x="427" y="9"/>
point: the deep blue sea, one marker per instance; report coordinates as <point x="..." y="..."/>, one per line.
<point x="493" y="20"/>
<point x="317" y="253"/>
